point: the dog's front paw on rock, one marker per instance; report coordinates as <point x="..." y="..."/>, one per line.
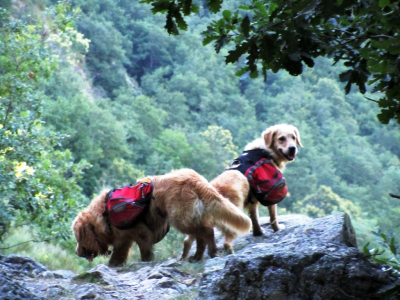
<point x="228" y="248"/>
<point x="276" y="227"/>
<point x="113" y="264"/>
<point x="183" y="258"/>
<point x="258" y="232"/>
<point x="195" y="258"/>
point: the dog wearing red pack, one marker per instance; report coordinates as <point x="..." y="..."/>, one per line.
<point x="270" y="153"/>
<point x="182" y="198"/>
<point x="103" y="224"/>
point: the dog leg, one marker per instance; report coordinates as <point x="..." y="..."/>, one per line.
<point x="120" y="254"/>
<point x="273" y="218"/>
<point x="205" y="237"/>
<point x="146" y="249"/>
<point x="187" y="245"/>
<point x="210" y="239"/>
<point x="201" y="247"/>
<point x="228" y="243"/>
<point x="253" y="213"/>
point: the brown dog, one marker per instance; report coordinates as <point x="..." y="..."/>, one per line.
<point x="94" y="236"/>
<point x="194" y="207"/>
<point x="281" y="142"/>
<point x="183" y="197"/>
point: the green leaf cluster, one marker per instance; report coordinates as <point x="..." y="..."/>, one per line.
<point x="325" y="202"/>
<point x="278" y="35"/>
<point x="389" y="258"/>
<point x="178" y="102"/>
<point x="129" y="100"/>
<point x="37" y="180"/>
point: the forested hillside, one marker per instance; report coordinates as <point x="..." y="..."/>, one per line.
<point x="130" y="100"/>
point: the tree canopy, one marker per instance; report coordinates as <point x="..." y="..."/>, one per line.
<point x="275" y="35"/>
<point x="37" y="178"/>
<point x="113" y="97"/>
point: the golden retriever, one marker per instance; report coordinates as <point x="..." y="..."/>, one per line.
<point x="183" y="198"/>
<point x="95" y="236"/>
<point x="281" y="142"/>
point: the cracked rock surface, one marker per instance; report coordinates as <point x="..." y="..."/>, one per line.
<point x="23" y="278"/>
<point x="310" y="259"/>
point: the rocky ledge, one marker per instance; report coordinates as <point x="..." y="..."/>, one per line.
<point x="310" y="259"/>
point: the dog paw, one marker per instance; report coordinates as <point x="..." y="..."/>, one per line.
<point x="214" y="254"/>
<point x="113" y="264"/>
<point x="195" y="258"/>
<point x="228" y="249"/>
<point x="277" y="227"/>
<point x="258" y="232"/>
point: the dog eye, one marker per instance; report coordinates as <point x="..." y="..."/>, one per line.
<point x="282" y="139"/>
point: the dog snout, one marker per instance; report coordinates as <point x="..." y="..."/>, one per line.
<point x="292" y="150"/>
<point x="81" y="251"/>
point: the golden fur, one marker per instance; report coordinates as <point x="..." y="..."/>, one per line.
<point x="94" y="236"/>
<point x="194" y="207"/>
<point x="183" y="197"/>
<point x="280" y="142"/>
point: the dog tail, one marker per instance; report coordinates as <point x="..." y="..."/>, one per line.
<point x="222" y="210"/>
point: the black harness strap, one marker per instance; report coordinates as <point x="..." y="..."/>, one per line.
<point x="248" y="158"/>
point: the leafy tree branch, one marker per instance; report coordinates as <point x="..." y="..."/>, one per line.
<point x="26" y="242"/>
<point x="34" y="187"/>
<point x="275" y="35"/>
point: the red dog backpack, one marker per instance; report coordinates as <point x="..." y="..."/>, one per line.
<point x="125" y="206"/>
<point x="266" y="181"/>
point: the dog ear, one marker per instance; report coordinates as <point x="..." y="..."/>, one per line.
<point x="298" y="140"/>
<point x="269" y="134"/>
<point x="91" y="233"/>
<point x="76" y="226"/>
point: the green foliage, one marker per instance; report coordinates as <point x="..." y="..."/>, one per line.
<point x="214" y="150"/>
<point x="106" y="55"/>
<point x="37" y="182"/>
<point x="182" y="89"/>
<point x="5" y="4"/>
<point x="389" y="258"/>
<point x="170" y="246"/>
<point x="93" y="134"/>
<point x="132" y="101"/>
<point x="325" y="202"/>
<point x="280" y="35"/>
<point x="174" y="147"/>
<point x="53" y="256"/>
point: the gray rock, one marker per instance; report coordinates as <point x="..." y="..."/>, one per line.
<point x="64" y="274"/>
<point x="19" y="263"/>
<point x="171" y="262"/>
<point x="101" y="274"/>
<point x="56" y="291"/>
<point x="47" y="274"/>
<point x="310" y="259"/>
<point x="90" y="291"/>
<point x="12" y="267"/>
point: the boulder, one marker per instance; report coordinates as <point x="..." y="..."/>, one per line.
<point x="22" y="278"/>
<point x="309" y="259"/>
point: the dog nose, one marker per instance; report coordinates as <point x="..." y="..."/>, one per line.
<point x="292" y="150"/>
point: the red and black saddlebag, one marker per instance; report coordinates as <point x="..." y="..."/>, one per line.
<point x="126" y="205"/>
<point x="266" y="181"/>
